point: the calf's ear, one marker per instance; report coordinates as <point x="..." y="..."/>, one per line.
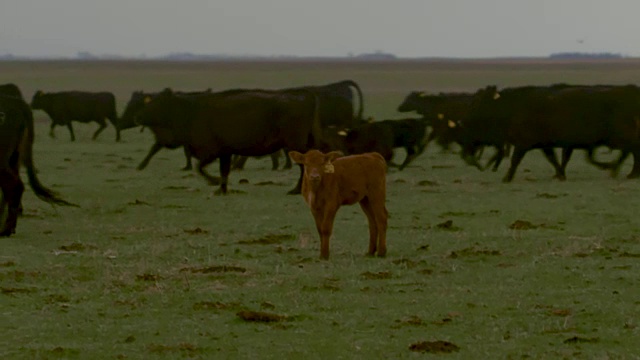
<point x="329" y="157"/>
<point x="297" y="157"/>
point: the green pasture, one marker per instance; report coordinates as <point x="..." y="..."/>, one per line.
<point x="154" y="266"/>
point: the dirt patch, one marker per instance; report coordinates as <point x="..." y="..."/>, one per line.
<point x="148" y="277"/>
<point x="427" y="183"/>
<point x="523" y="225"/>
<point x="447" y="225"/>
<point x="215" y="269"/>
<point x="411" y="320"/>
<point x="263" y="183"/>
<point x="196" y="231"/>
<point x="243" y="181"/>
<point x="579" y="339"/>
<point x="260" y="316"/>
<point x="12" y="290"/>
<point x="8" y="264"/>
<point x="269" y="239"/>
<point x="377" y="275"/>
<point x="138" y="202"/>
<point x="473" y="252"/>
<point x="187" y="349"/>
<point x="213" y="305"/>
<point x="434" y="347"/>
<point x="630" y="255"/>
<point x="456" y="213"/>
<point x="549" y="196"/>
<point x="173" y="187"/>
<point x="76" y="246"/>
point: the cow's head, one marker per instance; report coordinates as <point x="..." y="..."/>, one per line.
<point x="156" y="110"/>
<point x="135" y="104"/>
<point x="316" y="164"/>
<point x="36" y="101"/>
<point x="412" y="102"/>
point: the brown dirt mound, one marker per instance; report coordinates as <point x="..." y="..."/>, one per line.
<point x="433" y="347"/>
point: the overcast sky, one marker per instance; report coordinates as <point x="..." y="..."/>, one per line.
<point x="407" y="28"/>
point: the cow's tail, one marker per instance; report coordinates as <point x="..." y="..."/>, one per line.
<point x="359" y="91"/>
<point x="40" y="190"/>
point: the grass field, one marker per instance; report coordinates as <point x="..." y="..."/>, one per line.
<point x="154" y="266"/>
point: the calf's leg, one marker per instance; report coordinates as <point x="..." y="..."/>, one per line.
<point x="324" y="223"/>
<point x="373" y="226"/>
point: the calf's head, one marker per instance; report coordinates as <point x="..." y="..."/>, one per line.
<point x="316" y="164"/>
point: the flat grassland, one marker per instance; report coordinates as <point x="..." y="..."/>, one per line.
<point x="154" y="266"/>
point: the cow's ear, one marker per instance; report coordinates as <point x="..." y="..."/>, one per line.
<point x="329" y="157"/>
<point x="297" y="157"/>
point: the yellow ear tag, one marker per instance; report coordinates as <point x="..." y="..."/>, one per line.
<point x="496" y="96"/>
<point x="147" y="100"/>
<point x="440" y="116"/>
<point x="342" y="133"/>
<point x="329" y="169"/>
<point x="451" y="124"/>
<point x="422" y="94"/>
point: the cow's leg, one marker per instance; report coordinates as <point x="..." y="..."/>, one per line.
<point x="52" y="134"/>
<point x="496" y="159"/>
<point x="70" y="127"/>
<point x="154" y="149"/>
<point x="516" y="158"/>
<point x="411" y="154"/>
<point x="635" y="172"/>
<point x="212" y="180"/>
<point x="324" y="224"/>
<point x="298" y="188"/>
<point x="287" y="163"/>
<point x="365" y="204"/>
<point x="551" y="157"/>
<point x="566" y="156"/>
<point x="239" y="162"/>
<point x="275" y="160"/>
<point x="225" y="169"/>
<point x="187" y="156"/>
<point x="114" y="122"/>
<point x="12" y="188"/>
<point x="103" y="126"/>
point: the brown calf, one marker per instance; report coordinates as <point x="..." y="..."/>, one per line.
<point x="331" y="180"/>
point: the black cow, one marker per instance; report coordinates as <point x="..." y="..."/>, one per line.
<point x="137" y="103"/>
<point x="337" y="110"/>
<point x="16" y="145"/>
<point x="383" y="136"/>
<point x="438" y="109"/>
<point x="11" y="89"/>
<point x="248" y="123"/>
<point x="67" y="106"/>
<point x="564" y="116"/>
<point x="336" y="103"/>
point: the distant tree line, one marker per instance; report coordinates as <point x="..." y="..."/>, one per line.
<point x="580" y="55"/>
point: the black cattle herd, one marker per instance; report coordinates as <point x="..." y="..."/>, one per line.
<point x="234" y="124"/>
